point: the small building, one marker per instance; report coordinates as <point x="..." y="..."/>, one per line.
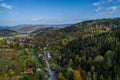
<point x="38" y="70"/>
<point x="44" y="48"/>
<point x="28" y="70"/>
<point x="49" y="56"/>
<point x="39" y="54"/>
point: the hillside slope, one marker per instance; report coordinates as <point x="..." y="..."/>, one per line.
<point x="90" y="49"/>
<point x="84" y="29"/>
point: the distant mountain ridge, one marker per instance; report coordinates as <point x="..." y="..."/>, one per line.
<point x="5" y="27"/>
<point x="31" y="28"/>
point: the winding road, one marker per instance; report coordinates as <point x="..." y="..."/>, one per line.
<point x="51" y="73"/>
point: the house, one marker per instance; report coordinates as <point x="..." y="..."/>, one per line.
<point x="39" y="54"/>
<point x="44" y="48"/>
<point x="38" y="70"/>
<point x="28" y="70"/>
<point x="49" y="56"/>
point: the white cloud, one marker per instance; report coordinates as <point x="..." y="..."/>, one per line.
<point x="96" y="4"/>
<point x="99" y="3"/>
<point x="101" y="7"/>
<point x="102" y="2"/>
<point x="98" y="9"/>
<point x="5" y="5"/>
<point x="112" y="9"/>
<point x="37" y="19"/>
<point x="110" y="0"/>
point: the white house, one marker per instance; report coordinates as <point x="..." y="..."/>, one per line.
<point x="38" y="70"/>
<point x="49" y="56"/>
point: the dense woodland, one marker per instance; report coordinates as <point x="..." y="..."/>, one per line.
<point x="88" y="50"/>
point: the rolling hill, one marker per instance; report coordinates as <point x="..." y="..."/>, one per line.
<point x="90" y="47"/>
<point x="84" y="29"/>
<point x="33" y="28"/>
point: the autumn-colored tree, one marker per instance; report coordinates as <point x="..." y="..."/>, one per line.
<point x="70" y="62"/>
<point x="99" y="58"/>
<point x="108" y="58"/>
<point x="69" y="73"/>
<point x="60" y="76"/>
<point x="76" y="75"/>
<point x="64" y="42"/>
<point x="23" y="65"/>
<point x="77" y="59"/>
<point x="6" y="77"/>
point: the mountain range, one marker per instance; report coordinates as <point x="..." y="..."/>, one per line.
<point x="31" y="28"/>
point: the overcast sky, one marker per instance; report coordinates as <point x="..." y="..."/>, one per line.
<point x="14" y="12"/>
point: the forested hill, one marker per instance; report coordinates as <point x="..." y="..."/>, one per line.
<point x="96" y="55"/>
<point x="6" y="32"/>
<point x="89" y="50"/>
<point x="84" y="29"/>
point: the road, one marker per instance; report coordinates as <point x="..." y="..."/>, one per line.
<point x="51" y="73"/>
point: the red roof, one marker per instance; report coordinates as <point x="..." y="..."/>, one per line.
<point x="28" y="70"/>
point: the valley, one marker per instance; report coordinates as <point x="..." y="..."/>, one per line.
<point x="88" y="50"/>
<point x="59" y="39"/>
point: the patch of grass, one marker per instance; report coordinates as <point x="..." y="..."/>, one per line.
<point x="22" y="57"/>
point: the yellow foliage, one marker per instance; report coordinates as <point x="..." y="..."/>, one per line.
<point x="76" y="75"/>
<point x="60" y="76"/>
<point x="6" y="77"/>
<point x="64" y="42"/>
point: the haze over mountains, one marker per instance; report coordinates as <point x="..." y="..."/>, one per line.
<point x="30" y="28"/>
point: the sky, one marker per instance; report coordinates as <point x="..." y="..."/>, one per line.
<point x="16" y="12"/>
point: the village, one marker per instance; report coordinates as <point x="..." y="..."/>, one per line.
<point x="26" y="45"/>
